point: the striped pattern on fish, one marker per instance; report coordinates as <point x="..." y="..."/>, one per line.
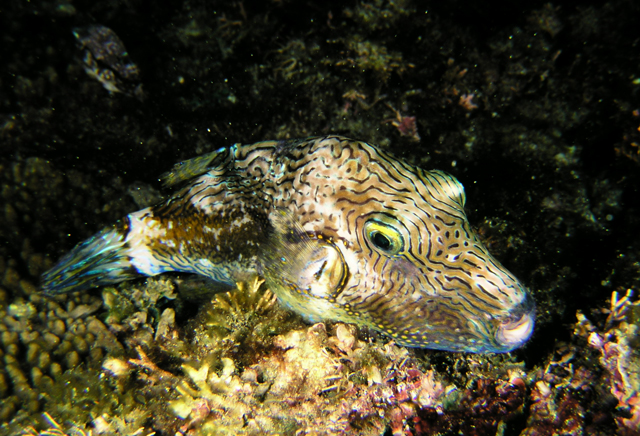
<point x="340" y="230"/>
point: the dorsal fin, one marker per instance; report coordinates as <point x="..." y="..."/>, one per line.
<point x="449" y="186"/>
<point x="191" y="168"/>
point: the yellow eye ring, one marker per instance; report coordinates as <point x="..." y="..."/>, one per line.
<point x="383" y="236"/>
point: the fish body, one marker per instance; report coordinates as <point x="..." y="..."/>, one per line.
<point x="339" y="229"/>
<point x="106" y="59"/>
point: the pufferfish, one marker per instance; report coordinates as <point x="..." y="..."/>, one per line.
<point x="339" y="229"/>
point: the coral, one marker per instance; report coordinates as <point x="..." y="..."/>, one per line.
<point x="102" y="425"/>
<point x="621" y="361"/>
<point x="572" y="395"/>
<point x="407" y="126"/>
<point x="483" y="409"/>
<point x="365" y="55"/>
<point x="316" y="381"/>
<point x="556" y="409"/>
<point x="241" y="323"/>
<point x="41" y="339"/>
<point x="466" y="101"/>
<point x="629" y="147"/>
<point x="547" y="19"/>
<point x="54" y="429"/>
<point x="296" y="63"/>
<point x="380" y="14"/>
<point x="550" y="158"/>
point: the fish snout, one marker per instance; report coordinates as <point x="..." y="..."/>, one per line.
<point x="516" y="328"/>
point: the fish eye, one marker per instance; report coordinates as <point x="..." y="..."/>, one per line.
<point x="384" y="236"/>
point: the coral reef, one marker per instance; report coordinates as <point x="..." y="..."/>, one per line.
<point x="535" y="110"/>
<point x="308" y="380"/>
<point x="618" y="348"/>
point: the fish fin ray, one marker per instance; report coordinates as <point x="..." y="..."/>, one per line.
<point x="100" y="260"/>
<point x="191" y="168"/>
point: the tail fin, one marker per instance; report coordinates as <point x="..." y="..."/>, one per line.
<point x="100" y="260"/>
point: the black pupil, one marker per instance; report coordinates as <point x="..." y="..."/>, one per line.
<point x="381" y="241"/>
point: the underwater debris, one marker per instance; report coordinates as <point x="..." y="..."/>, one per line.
<point x="106" y="59"/>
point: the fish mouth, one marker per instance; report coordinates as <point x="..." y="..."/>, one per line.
<point x="516" y="329"/>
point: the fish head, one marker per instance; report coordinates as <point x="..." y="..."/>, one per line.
<point x="389" y="247"/>
<point x="421" y="275"/>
